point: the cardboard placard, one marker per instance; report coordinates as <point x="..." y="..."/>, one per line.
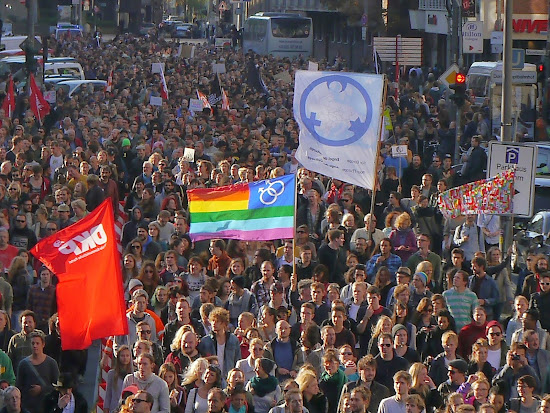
<point x="195" y="105"/>
<point x="399" y="151"/>
<point x="155" y="101"/>
<point x="157" y="67"/>
<point x="218" y="67"/>
<point x="284" y="77"/>
<point x="189" y="155"/>
<point x="313" y="66"/>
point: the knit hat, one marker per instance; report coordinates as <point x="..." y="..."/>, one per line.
<point x="267" y="365"/>
<point x="459" y="364"/>
<point x="493" y="323"/>
<point x="397" y="328"/>
<point x="238" y="281"/>
<point x="134" y="282"/>
<point x="423" y="277"/>
<point x="126" y="142"/>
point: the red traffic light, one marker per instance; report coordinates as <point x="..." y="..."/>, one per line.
<point x="540" y="67"/>
<point x="460" y="78"/>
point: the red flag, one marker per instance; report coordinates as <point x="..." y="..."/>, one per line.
<point x="109" y="87"/>
<point x="85" y="258"/>
<point x="39" y="105"/>
<point x="225" y="100"/>
<point x="9" y="101"/>
<point x="163" y="87"/>
<point x="205" y="103"/>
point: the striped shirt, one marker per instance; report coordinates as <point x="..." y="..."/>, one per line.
<point x="461" y="306"/>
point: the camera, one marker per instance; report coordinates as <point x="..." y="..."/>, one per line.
<point x="516" y="357"/>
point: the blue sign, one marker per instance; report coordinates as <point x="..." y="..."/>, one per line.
<point x="518" y="58"/>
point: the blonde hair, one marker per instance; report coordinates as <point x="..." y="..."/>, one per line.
<point x="176" y="342"/>
<point x="403" y="221"/>
<point x="305" y="379"/>
<point x="193" y="372"/>
<point x="448" y="335"/>
<point x="423" y="267"/>
<point x="379" y="325"/>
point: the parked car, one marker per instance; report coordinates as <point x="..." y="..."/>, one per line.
<point x="147" y="29"/>
<point x="76" y="86"/>
<point x="183" y="31"/>
<point x="531" y="236"/>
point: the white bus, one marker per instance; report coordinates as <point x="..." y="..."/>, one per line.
<point x="278" y="34"/>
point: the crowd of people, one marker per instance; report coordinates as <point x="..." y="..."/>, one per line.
<point x="379" y="304"/>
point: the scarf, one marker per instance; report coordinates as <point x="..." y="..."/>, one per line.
<point x="337" y="380"/>
<point x="263" y="386"/>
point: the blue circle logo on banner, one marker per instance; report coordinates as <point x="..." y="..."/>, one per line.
<point x="336" y="110"/>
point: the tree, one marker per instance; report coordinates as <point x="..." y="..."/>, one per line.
<point x="353" y="10"/>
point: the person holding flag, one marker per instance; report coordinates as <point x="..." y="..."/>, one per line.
<point x="8" y="105"/>
<point x="39" y="105"/>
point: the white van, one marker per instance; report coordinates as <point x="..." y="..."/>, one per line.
<point x="484" y="79"/>
<point x="65" y="66"/>
<point x="482" y="75"/>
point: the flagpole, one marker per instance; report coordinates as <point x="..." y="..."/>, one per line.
<point x="294" y="223"/>
<point x="377" y="155"/>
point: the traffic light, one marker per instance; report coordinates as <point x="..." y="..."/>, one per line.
<point x="30" y="61"/>
<point x="459" y="97"/>
<point x="540" y="72"/>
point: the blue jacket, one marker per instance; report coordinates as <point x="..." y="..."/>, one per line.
<point x="488" y="292"/>
<point x="209" y="347"/>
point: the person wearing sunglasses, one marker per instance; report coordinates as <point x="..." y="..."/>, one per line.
<point x="497" y="346"/>
<point x="530" y="320"/>
<point x="141" y="402"/>
<point x="541" y="299"/>
<point x="156" y="398"/>
<point x="388" y="363"/>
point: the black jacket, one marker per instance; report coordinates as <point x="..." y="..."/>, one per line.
<point x="50" y="403"/>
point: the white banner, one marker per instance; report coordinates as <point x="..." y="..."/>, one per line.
<point x="339" y="117"/>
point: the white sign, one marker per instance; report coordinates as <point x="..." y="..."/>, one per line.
<point x="157" y="67"/>
<point x="472" y="37"/>
<point x="535" y="52"/>
<point x="399" y="151"/>
<point x="155" y="101"/>
<point x="218" y="67"/>
<point x="189" y="154"/>
<point x="313" y="66"/>
<point x="339" y="114"/>
<point x="508" y="155"/>
<point x="518" y="77"/>
<point x="407" y="50"/>
<point x="222" y="42"/>
<point x="497" y="38"/>
<point x="195" y="105"/>
<point x="496" y="48"/>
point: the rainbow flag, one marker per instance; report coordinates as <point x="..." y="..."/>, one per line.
<point x="256" y="211"/>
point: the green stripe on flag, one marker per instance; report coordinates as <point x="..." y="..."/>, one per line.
<point x="243" y="215"/>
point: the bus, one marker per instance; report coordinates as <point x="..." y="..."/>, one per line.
<point x="278" y="34"/>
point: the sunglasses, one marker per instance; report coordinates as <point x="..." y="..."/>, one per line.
<point x="20" y="220"/>
<point x="542" y="283"/>
<point x="136" y="246"/>
<point x="384" y="345"/>
<point x="138" y="400"/>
